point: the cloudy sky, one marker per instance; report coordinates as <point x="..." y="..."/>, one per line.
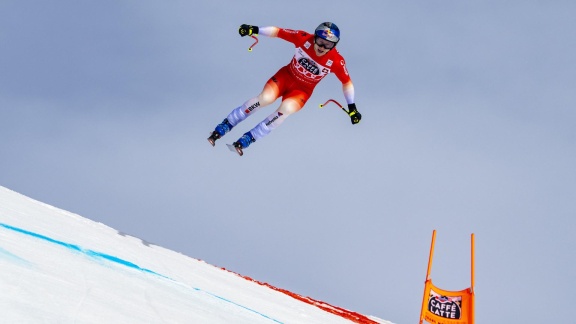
<point x="468" y="127"/>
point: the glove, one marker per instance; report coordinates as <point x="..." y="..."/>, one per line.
<point x="355" y="116"/>
<point x="247" y="30"/>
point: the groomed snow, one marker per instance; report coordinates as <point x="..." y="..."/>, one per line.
<point x="58" y="267"/>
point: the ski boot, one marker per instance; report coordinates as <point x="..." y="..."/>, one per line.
<point x="243" y="142"/>
<point x="220" y="130"/>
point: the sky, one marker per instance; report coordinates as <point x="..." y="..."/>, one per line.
<point x="105" y="267"/>
<point x="468" y="127"/>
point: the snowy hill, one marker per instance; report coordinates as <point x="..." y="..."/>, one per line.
<point x="58" y="267"/>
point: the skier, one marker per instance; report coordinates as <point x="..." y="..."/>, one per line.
<point x="316" y="56"/>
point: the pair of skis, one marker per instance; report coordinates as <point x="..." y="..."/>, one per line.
<point x="232" y="147"/>
<point x="238" y="148"/>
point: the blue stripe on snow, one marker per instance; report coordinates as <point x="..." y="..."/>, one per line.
<point x="42" y="237"/>
<point x="123" y="262"/>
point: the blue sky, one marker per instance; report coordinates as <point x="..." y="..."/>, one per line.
<point x="468" y="127"/>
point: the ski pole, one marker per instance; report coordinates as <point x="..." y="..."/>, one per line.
<point x="256" y="42"/>
<point x="337" y="103"/>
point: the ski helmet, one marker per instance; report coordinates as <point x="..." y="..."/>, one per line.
<point x="328" y="31"/>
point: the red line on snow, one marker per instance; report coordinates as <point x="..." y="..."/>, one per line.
<point x="349" y="315"/>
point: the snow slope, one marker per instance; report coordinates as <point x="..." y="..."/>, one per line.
<point x="58" y="267"/>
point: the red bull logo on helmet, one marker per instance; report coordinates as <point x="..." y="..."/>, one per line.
<point x="327" y="33"/>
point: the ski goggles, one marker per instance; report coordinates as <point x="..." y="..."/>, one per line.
<point x="324" y="43"/>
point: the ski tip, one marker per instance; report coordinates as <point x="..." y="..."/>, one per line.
<point x="233" y="148"/>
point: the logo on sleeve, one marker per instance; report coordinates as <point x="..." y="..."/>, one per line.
<point x="344" y="67"/>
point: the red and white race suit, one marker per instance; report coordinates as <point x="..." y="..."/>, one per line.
<point x="294" y="82"/>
